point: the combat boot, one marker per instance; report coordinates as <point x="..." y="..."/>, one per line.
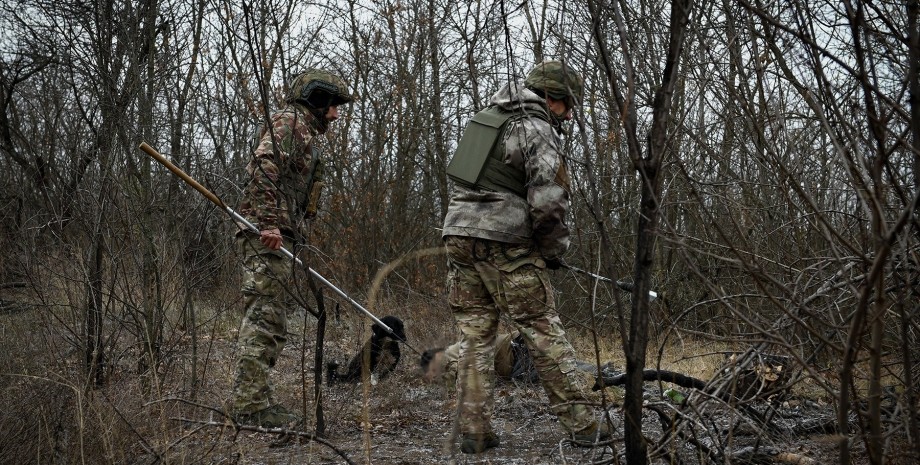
<point x="275" y="416"/>
<point x="593" y="434"/>
<point x="478" y="442"/>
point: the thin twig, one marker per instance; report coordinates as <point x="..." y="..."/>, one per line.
<point x="279" y="431"/>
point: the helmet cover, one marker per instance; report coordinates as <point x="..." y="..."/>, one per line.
<point x="557" y="80"/>
<point x="318" y="88"/>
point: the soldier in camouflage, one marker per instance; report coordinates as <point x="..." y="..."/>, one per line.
<point x="284" y="190"/>
<point x="500" y="244"/>
<point x="512" y="361"/>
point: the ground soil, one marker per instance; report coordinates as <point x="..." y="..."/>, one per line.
<point x="403" y="420"/>
<point x="399" y="420"/>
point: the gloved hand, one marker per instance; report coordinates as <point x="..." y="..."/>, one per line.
<point x="553" y="263"/>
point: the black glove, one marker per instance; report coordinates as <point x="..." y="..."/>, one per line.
<point x="553" y="263"/>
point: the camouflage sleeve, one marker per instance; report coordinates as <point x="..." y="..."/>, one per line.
<point x="451" y="360"/>
<point x="504" y="356"/>
<point x="263" y="193"/>
<point x="547" y="183"/>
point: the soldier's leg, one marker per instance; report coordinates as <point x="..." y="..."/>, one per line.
<point x="528" y="297"/>
<point x="477" y="320"/>
<point x="264" y="327"/>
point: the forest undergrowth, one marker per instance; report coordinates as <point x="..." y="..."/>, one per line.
<point x="174" y="415"/>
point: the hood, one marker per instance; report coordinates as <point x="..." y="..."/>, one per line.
<point x="514" y="97"/>
<point x="517" y="98"/>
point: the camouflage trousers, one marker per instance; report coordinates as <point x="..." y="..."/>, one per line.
<point x="502" y="354"/>
<point x="484" y="279"/>
<point x="263" y="332"/>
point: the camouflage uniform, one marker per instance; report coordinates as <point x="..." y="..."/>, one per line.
<point x="503" y="356"/>
<point x="276" y="195"/>
<point x="263" y="332"/>
<point x="498" y="244"/>
<point x="284" y="189"/>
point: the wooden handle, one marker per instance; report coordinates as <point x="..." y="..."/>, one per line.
<point x="188" y="179"/>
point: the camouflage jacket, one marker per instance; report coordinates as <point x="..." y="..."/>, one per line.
<point x="532" y="146"/>
<point x="279" y="187"/>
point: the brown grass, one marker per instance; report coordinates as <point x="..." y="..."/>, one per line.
<point x="48" y="415"/>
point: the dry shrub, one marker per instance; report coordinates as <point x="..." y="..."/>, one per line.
<point x="690" y="356"/>
<point x="50" y="421"/>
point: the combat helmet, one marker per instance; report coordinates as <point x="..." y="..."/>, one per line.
<point x="318" y="88"/>
<point x="557" y="80"/>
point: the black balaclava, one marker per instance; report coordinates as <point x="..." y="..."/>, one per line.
<point x="318" y="103"/>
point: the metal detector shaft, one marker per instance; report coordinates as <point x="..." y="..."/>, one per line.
<point x="626" y="286"/>
<point x="236" y="216"/>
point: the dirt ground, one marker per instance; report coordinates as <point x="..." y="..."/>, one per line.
<point x="416" y="432"/>
<point x="403" y="420"/>
<point x="400" y="420"/>
<point x="411" y="423"/>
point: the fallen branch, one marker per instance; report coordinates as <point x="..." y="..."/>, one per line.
<point x="11" y="308"/>
<point x="279" y="431"/>
<point x="688" y="382"/>
<point x="238" y="427"/>
<point x="13" y="285"/>
<point x="653" y="375"/>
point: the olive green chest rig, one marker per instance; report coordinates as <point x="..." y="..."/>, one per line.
<point x="479" y="160"/>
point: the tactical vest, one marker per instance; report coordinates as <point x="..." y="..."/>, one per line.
<point x="304" y="201"/>
<point x="309" y="204"/>
<point x="479" y="160"/>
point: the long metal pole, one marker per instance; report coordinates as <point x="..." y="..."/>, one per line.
<point x="236" y="216"/>
<point x="652" y="295"/>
